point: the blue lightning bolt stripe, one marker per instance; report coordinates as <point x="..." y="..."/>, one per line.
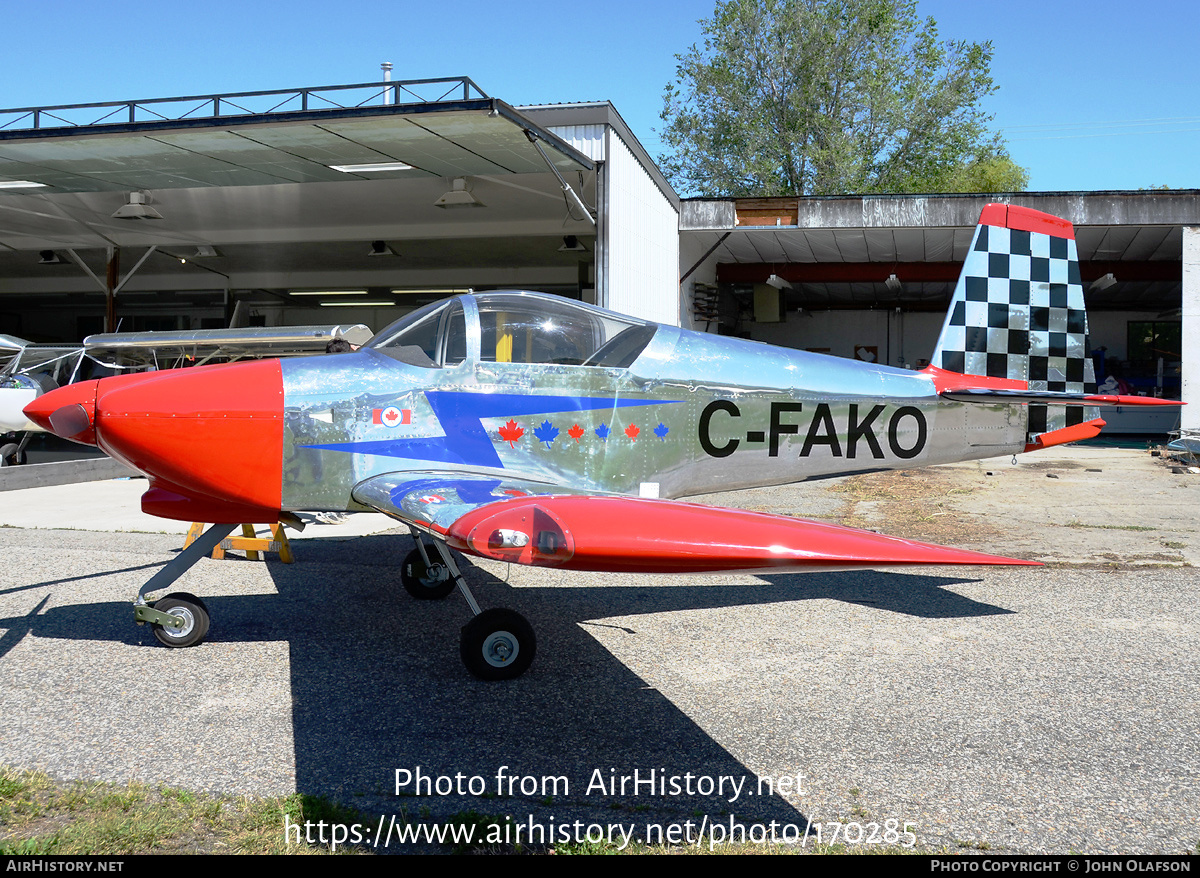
<point x="461" y="414"/>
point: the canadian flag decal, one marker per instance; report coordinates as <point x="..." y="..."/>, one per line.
<point x="391" y="416"/>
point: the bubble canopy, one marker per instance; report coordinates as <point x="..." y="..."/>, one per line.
<point x="514" y="327"/>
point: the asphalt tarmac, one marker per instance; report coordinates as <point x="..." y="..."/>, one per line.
<point x="1033" y="710"/>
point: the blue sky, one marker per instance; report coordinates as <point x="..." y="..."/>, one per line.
<point x="1093" y="95"/>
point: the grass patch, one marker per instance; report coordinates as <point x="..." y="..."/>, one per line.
<point x="914" y="504"/>
<point x="975" y="845"/>
<point x="39" y="816"/>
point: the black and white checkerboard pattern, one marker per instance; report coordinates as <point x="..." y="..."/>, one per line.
<point x="1018" y="312"/>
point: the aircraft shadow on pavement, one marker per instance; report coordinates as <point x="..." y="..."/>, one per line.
<point x="377" y="685"/>
<point x="92" y="575"/>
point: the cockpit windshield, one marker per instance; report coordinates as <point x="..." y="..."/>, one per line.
<point x="430" y="337"/>
<point x="517" y="328"/>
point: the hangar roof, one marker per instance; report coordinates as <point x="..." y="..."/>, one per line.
<point x="256" y="175"/>
<point x="837" y="251"/>
<point x="217" y="141"/>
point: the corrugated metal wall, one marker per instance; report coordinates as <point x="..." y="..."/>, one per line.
<point x="638" y="248"/>
<point x="588" y="139"/>
<point x="1191" y="328"/>
<point x="643" y="240"/>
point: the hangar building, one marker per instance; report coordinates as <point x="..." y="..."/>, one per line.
<point x="366" y="201"/>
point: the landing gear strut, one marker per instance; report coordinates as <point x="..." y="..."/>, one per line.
<point x="180" y="619"/>
<point x="496" y="644"/>
<point x="13" y="453"/>
<point x="423" y="578"/>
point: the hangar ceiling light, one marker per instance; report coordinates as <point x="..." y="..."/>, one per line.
<point x="137" y="208"/>
<point x="329" y="292"/>
<point x="458" y="196"/>
<point x="21" y="184"/>
<point x="418" y="291"/>
<point x="371" y="167"/>
<point x="363" y="303"/>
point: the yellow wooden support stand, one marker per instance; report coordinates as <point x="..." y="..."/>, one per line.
<point x="247" y="542"/>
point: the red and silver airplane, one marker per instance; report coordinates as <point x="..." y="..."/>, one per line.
<point x="529" y="428"/>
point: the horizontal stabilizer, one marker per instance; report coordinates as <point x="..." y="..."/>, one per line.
<point x="1052" y="397"/>
<point x="1074" y="433"/>
<point x="992" y="389"/>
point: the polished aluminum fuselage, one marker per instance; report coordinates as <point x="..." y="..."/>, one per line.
<point x="694" y="413"/>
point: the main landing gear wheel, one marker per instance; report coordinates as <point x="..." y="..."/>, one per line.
<point x="498" y="645"/>
<point x="425" y="583"/>
<point x="195" y="620"/>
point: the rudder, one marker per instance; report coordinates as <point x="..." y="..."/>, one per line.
<point x="1018" y="311"/>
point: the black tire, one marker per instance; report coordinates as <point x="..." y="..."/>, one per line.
<point x="425" y="583"/>
<point x="194" y="613"/>
<point x="498" y="645"/>
<point x="11" y="455"/>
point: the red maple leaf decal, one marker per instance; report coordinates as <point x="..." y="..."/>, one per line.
<point x="575" y="432"/>
<point x="510" y="433"/>
<point x="632" y="431"/>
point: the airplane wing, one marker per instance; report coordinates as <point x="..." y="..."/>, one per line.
<point x="432" y="501"/>
<point x="553" y="526"/>
<point x="206" y="344"/>
<point x="10" y="345"/>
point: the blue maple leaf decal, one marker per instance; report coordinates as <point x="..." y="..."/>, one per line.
<point x="661" y="431"/>
<point x="547" y="433"/>
<point x="602" y="431"/>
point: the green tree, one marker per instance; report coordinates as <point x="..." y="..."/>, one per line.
<point x="819" y="97"/>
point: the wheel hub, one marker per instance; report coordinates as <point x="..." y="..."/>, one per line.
<point x="189" y="622"/>
<point x="500" y="648"/>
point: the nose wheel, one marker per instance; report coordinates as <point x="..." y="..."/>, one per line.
<point x="497" y="644"/>
<point x="180" y="619"/>
<point x="194" y="617"/>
